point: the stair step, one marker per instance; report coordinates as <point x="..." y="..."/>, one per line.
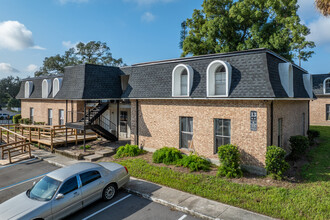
<point x="107" y="152"/>
<point x="93" y="157"/>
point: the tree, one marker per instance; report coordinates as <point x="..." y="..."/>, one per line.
<point x="228" y="25"/>
<point x="323" y="6"/>
<point x="94" y="52"/>
<point x="9" y="87"/>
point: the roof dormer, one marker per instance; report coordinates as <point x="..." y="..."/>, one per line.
<point x="286" y="75"/>
<point x="57" y="84"/>
<point x="218" y="79"/>
<point x="28" y="87"/>
<point x="182" y="80"/>
<point x="46" y="88"/>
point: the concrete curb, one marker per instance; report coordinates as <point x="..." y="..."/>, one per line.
<point x="171" y="205"/>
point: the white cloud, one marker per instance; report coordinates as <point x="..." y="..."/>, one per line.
<point x="68" y="44"/>
<point x="73" y="1"/>
<point x="31" y="68"/>
<point x="147" y="17"/>
<point x="15" y="36"/>
<point x="320" y="31"/>
<point x="148" y="2"/>
<point x="6" y="68"/>
<point x="307" y="9"/>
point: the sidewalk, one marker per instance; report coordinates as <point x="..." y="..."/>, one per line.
<point x="181" y="201"/>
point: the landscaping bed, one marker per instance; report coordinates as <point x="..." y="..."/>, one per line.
<point x="308" y="198"/>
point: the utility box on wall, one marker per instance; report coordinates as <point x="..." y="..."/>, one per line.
<point x="253" y="120"/>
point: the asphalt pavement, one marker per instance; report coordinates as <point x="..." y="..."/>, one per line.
<point x="19" y="177"/>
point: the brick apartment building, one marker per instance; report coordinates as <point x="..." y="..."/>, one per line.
<point x="252" y="99"/>
<point x="320" y="107"/>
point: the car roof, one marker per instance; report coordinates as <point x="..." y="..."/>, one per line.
<point x="65" y="172"/>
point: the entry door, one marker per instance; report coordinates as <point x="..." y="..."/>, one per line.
<point x="123" y="124"/>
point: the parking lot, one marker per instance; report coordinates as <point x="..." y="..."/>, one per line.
<point x="19" y="177"/>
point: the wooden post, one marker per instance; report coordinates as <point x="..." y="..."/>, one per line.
<point x="9" y="156"/>
<point x="15" y="129"/>
<point x="7" y="137"/>
<point x="0" y="134"/>
<point x="75" y="131"/>
<point x="51" y="140"/>
<point x="30" y="150"/>
<point x="30" y="137"/>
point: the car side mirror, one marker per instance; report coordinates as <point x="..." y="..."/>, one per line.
<point x="59" y="196"/>
<point x="34" y="183"/>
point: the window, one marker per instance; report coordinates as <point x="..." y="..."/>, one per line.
<point x="31" y="115"/>
<point x="182" y="80"/>
<point x="50" y="116"/>
<point x="279" y="132"/>
<point x="57" y="83"/>
<point x="89" y="177"/>
<point x="222" y="133"/>
<point x="69" y="186"/>
<point x="326" y="86"/>
<point x="46" y="88"/>
<point x="327" y="110"/>
<point x="186" y="131"/>
<point x="218" y="79"/>
<point x="61" y="117"/>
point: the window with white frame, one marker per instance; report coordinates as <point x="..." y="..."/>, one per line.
<point x="218" y="79"/>
<point x="28" y="89"/>
<point x="222" y="133"/>
<point x="61" y="117"/>
<point x="50" y="116"/>
<point x="182" y="80"/>
<point x="186" y="131"/>
<point x="326" y="86"/>
<point x="327" y="110"/>
<point x="46" y="88"/>
<point x="57" y="83"/>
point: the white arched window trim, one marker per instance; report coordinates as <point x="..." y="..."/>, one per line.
<point x="57" y="83"/>
<point x="210" y="78"/>
<point x="286" y="76"/>
<point x="176" y="80"/>
<point x="28" y="89"/>
<point x="46" y="88"/>
<point x="324" y="86"/>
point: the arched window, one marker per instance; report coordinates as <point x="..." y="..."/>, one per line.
<point x="57" y="83"/>
<point x="28" y="89"/>
<point x="286" y="76"/>
<point x="46" y="88"/>
<point x="326" y="86"/>
<point x="182" y="80"/>
<point x="218" y="77"/>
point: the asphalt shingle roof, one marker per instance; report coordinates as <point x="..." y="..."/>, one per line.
<point x="318" y="80"/>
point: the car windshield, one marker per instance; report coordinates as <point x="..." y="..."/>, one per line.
<point x="44" y="190"/>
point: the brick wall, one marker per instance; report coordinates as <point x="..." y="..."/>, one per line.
<point x="291" y="113"/>
<point x="318" y="111"/>
<point x="41" y="109"/>
<point x="159" y="125"/>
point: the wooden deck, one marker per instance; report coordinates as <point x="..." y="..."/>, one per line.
<point x="61" y="140"/>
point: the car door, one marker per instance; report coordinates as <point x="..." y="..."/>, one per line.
<point x="71" y="201"/>
<point x="92" y="186"/>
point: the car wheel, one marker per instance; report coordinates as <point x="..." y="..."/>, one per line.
<point x="109" y="192"/>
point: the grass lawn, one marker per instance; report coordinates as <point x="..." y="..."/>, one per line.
<point x="307" y="200"/>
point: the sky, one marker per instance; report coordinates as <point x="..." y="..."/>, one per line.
<point x="135" y="30"/>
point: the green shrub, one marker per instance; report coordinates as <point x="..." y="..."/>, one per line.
<point x="298" y="144"/>
<point x="25" y="121"/>
<point x="312" y="134"/>
<point x="194" y="163"/>
<point x="16" y="118"/>
<point x="166" y="155"/>
<point x="275" y="162"/>
<point x="86" y="147"/>
<point x="39" y="123"/>
<point x="128" y="151"/>
<point x="229" y="161"/>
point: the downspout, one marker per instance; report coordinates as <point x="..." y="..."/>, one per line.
<point x="137" y="122"/>
<point x="271" y="122"/>
<point x="308" y="114"/>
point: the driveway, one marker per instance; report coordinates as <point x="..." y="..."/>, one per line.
<point x="19" y="177"/>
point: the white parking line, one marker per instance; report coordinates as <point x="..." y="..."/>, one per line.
<point x="25" y="161"/>
<point x="19" y="183"/>
<point x="182" y="217"/>
<point x="101" y="210"/>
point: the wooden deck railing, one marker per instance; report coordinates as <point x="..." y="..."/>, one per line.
<point x="14" y="142"/>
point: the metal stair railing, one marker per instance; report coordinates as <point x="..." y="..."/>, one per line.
<point x="107" y="124"/>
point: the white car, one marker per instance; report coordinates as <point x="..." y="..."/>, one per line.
<point x="66" y="190"/>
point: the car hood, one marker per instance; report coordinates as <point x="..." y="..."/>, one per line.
<point x="18" y="206"/>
